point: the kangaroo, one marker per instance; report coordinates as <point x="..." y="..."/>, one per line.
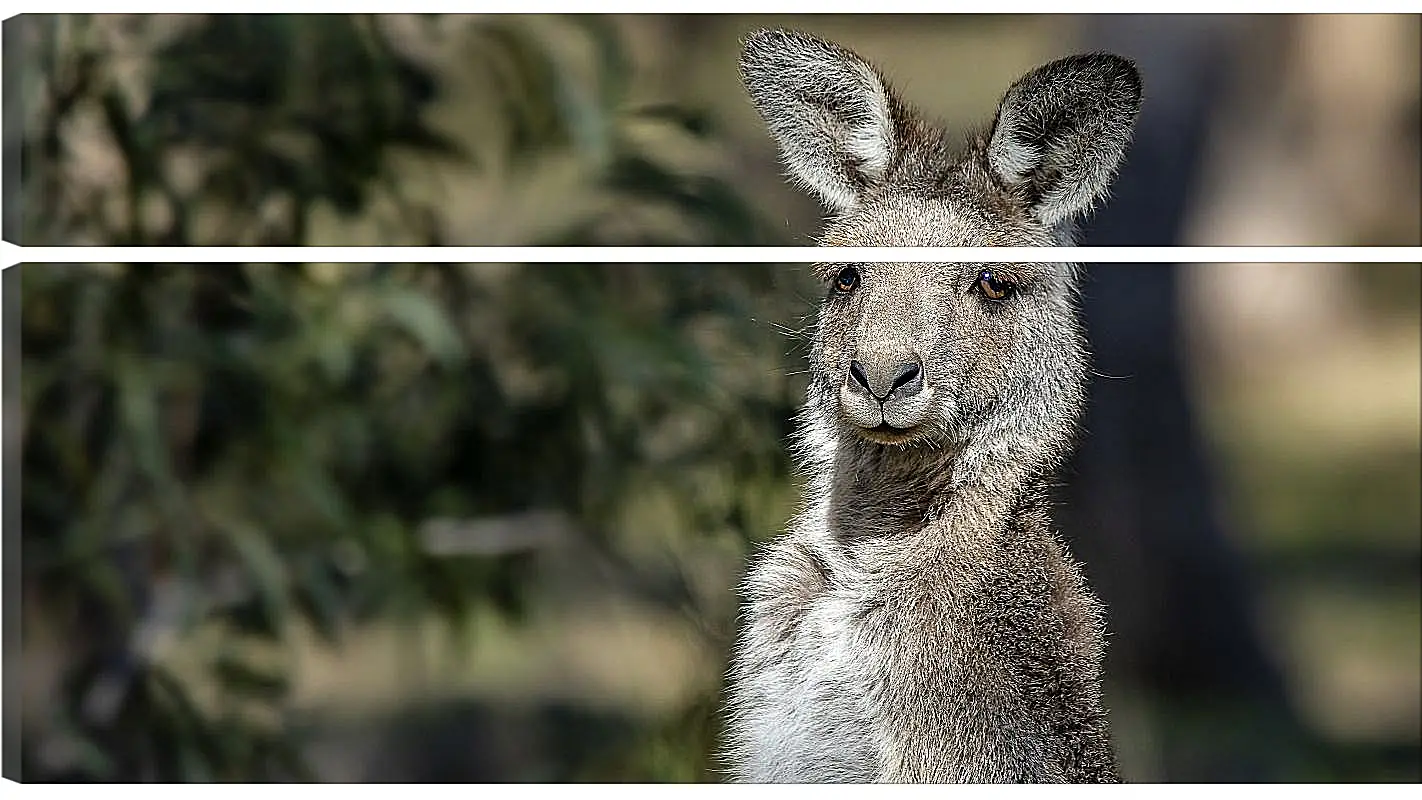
<point x="920" y="620"/>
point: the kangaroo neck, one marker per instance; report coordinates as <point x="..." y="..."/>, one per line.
<point x="966" y="493"/>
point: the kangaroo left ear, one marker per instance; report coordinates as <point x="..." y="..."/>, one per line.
<point x="827" y="108"/>
<point x="1062" y="131"/>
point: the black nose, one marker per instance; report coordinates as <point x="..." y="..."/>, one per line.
<point x="906" y="380"/>
<point x="909" y="381"/>
<point x="856" y="371"/>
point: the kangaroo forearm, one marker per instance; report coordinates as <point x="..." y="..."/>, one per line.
<point x="984" y="719"/>
<point x="1001" y="752"/>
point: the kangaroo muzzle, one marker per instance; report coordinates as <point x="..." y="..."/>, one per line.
<point x="887" y="392"/>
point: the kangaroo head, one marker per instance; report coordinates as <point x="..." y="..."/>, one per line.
<point x="980" y="359"/>
<point x="892" y="178"/>
<point x="966" y="357"/>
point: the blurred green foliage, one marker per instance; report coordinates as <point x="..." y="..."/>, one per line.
<point x="238" y="448"/>
<point x="244" y="453"/>
<point x="238" y="129"/>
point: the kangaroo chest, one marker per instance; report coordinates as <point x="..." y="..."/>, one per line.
<point x="829" y="692"/>
<point x="821" y="700"/>
<point x="813" y="721"/>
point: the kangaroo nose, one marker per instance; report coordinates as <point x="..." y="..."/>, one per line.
<point x="909" y="381"/>
<point x="856" y="371"/>
<point x="906" y="379"/>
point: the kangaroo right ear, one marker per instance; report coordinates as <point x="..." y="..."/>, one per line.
<point x="826" y="108"/>
<point x="1062" y="131"/>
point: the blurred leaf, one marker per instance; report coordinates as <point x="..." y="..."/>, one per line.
<point x="320" y="598"/>
<point x="244" y="678"/>
<point x="264" y="566"/>
<point x="424" y="320"/>
<point x="693" y="121"/>
<point x="192" y="765"/>
<point x="614" y="64"/>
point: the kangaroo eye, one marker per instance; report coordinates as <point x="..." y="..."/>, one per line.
<point x="992" y="287"/>
<point x="847" y="280"/>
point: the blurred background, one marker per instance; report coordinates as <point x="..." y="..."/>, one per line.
<point x="429" y="522"/>
<point x="481" y="522"/>
<point x="526" y="129"/>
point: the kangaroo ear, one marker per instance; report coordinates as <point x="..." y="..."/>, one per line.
<point x="1062" y="131"/>
<point x="826" y="108"/>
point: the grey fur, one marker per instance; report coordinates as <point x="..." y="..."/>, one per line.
<point x="1059" y="135"/>
<point x="920" y="620"/>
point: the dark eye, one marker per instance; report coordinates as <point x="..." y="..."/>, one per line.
<point x="847" y="280"/>
<point x="992" y="287"/>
